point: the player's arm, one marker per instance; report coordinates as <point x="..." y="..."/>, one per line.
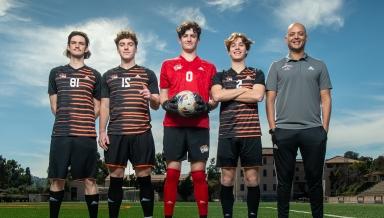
<point x="169" y="105"/>
<point x="154" y="101"/>
<point x="212" y="103"/>
<point x="253" y="95"/>
<point x="103" y="120"/>
<point x="326" y="107"/>
<point x="270" y="108"/>
<point x="96" y="105"/>
<point x="220" y="95"/>
<point x="53" y="103"/>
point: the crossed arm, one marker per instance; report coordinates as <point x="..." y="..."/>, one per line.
<point x="241" y="94"/>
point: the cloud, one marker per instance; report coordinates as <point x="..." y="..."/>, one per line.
<point x="41" y="48"/>
<point x="275" y="45"/>
<point x="5" y="5"/>
<point x="357" y="128"/>
<point x="178" y="15"/>
<point x="223" y="5"/>
<point x="312" y="13"/>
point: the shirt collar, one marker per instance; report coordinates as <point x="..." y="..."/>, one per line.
<point x="288" y="58"/>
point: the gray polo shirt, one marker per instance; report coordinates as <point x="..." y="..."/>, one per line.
<point x="298" y="85"/>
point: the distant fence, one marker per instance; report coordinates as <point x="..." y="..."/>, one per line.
<point x="369" y="199"/>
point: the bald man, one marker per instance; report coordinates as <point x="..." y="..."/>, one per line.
<point x="298" y="105"/>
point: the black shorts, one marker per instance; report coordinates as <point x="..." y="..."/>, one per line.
<point x="139" y="149"/>
<point x="248" y="149"/>
<point x="180" y="141"/>
<point x="80" y="153"/>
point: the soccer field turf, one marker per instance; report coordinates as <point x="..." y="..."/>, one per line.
<point x="188" y="210"/>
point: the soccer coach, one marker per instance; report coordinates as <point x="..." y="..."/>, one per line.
<point x="298" y="106"/>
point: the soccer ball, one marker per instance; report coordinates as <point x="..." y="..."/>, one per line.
<point x="186" y="103"/>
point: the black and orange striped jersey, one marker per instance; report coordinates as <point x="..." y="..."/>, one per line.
<point x="238" y="119"/>
<point x="75" y="89"/>
<point x="128" y="110"/>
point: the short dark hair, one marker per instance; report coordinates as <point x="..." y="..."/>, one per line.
<point x="126" y="34"/>
<point x="187" y="25"/>
<point x="84" y="35"/>
<point x="247" y="41"/>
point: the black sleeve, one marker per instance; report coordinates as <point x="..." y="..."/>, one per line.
<point x="52" y="88"/>
<point x="218" y="78"/>
<point x="260" y="78"/>
<point x="104" y="86"/>
<point x="153" y="85"/>
<point x="97" y="90"/>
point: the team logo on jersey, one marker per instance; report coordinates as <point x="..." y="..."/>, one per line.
<point x="62" y="75"/>
<point x="137" y="76"/>
<point x="113" y="76"/>
<point x="286" y="67"/>
<point x="201" y="68"/>
<point x="204" y="149"/>
<point x="87" y="78"/>
<point x="311" y="68"/>
<point x="228" y="78"/>
<point x="248" y="77"/>
<point x="177" y="67"/>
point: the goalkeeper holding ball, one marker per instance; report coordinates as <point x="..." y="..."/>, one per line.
<point x="188" y="134"/>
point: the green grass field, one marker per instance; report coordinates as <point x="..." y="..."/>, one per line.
<point x="188" y="210"/>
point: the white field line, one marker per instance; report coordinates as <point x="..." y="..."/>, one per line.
<point x="306" y="212"/>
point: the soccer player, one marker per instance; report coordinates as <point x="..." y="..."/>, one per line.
<point x="186" y="135"/>
<point x="127" y="93"/>
<point x="298" y="109"/>
<point x="239" y="89"/>
<point x="74" y="94"/>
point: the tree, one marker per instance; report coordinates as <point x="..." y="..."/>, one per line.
<point x="185" y="188"/>
<point x="351" y="155"/>
<point x="160" y="165"/>
<point x="213" y="172"/>
<point x="102" y="170"/>
<point x="378" y="163"/>
<point x="213" y="175"/>
<point x="3" y="173"/>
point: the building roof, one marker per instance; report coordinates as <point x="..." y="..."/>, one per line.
<point x="341" y="160"/>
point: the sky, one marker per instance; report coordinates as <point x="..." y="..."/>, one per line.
<point x="346" y="35"/>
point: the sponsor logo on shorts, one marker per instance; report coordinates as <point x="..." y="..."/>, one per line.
<point x="145" y="199"/>
<point x="53" y="199"/>
<point x="204" y="148"/>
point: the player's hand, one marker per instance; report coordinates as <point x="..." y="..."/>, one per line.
<point x="273" y="137"/>
<point x="202" y="107"/>
<point x="170" y="105"/>
<point x="145" y="92"/>
<point x="103" y="140"/>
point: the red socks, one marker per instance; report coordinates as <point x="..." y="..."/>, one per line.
<point x="170" y="190"/>
<point x="201" y="191"/>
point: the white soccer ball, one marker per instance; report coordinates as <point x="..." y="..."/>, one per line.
<point x="186" y="103"/>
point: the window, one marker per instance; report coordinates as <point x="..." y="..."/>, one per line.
<point x="274" y="187"/>
<point x="297" y="169"/>
<point x="297" y="178"/>
<point x="274" y="173"/>
<point x="264" y="160"/>
<point x="264" y="187"/>
<point x="265" y="173"/>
